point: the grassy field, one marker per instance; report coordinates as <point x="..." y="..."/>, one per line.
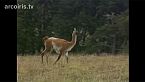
<point x="79" y="69"/>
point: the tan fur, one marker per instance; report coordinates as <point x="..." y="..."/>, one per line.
<point x="45" y="38"/>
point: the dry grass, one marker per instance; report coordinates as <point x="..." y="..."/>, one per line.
<point x="79" y="69"/>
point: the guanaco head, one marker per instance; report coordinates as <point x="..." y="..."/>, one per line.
<point x="75" y="31"/>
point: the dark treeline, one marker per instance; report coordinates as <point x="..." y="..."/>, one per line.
<point x="103" y="24"/>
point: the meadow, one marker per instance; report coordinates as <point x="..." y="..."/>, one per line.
<point x="87" y="68"/>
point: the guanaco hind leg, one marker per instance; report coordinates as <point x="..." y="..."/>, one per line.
<point x="42" y="54"/>
<point x="48" y="54"/>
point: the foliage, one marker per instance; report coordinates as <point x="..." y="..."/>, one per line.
<point x="111" y="37"/>
<point x="59" y="17"/>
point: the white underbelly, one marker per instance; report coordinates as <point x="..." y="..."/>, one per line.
<point x="56" y="48"/>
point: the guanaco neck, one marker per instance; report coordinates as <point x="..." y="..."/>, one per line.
<point x="74" y="39"/>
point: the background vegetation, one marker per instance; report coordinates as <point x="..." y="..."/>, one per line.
<point x="103" y="24"/>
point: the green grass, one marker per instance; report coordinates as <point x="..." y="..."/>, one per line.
<point x="79" y="69"/>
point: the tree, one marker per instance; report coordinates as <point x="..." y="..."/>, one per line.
<point x="59" y="17"/>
